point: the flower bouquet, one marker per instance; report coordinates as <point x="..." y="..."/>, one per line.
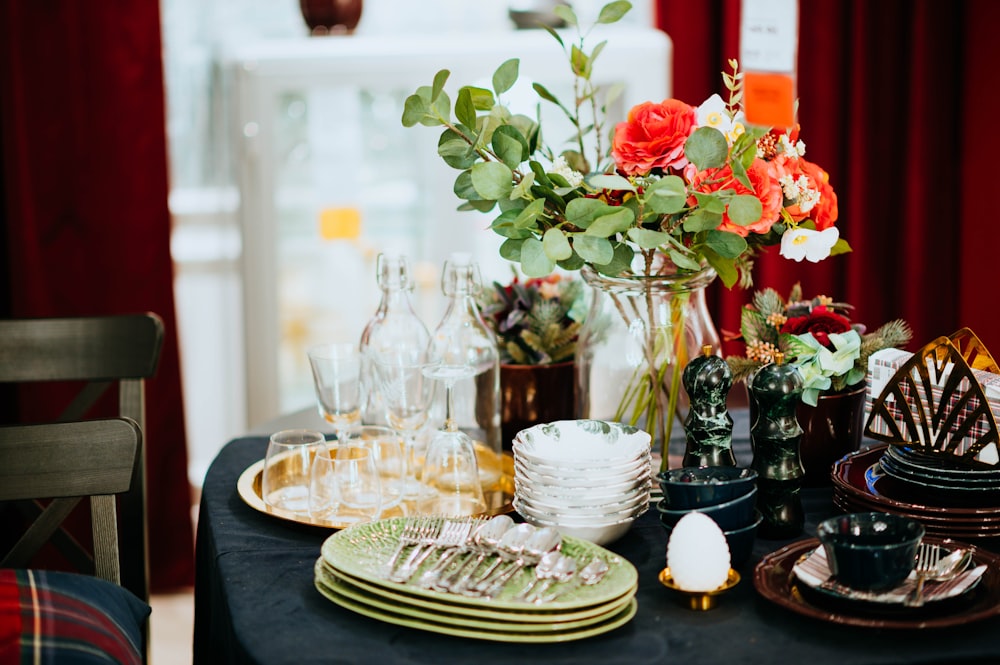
<point x="536" y="321"/>
<point x="680" y="191"/>
<point x="817" y="336"/>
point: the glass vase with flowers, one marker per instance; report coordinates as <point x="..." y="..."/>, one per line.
<point x="679" y="192"/>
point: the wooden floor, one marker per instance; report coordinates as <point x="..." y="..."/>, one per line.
<point x="171" y="628"/>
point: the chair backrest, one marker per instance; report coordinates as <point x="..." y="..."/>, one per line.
<point x="65" y="462"/>
<point x="100" y="351"/>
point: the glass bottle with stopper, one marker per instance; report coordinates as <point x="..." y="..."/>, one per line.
<point x="462" y="338"/>
<point x="708" y="428"/>
<point x="394" y="328"/>
<point x="775" y="436"/>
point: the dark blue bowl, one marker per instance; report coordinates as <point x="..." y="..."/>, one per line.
<point x="870" y="551"/>
<point x="696" y="487"/>
<point x="731" y="515"/>
<point x="740" y="540"/>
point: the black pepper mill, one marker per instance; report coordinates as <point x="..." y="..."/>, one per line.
<point x="708" y="428"/>
<point x="775" y="437"/>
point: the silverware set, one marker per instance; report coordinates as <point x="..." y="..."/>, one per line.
<point x="482" y="558"/>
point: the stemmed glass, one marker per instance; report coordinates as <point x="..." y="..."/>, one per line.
<point x="450" y="466"/>
<point x="407" y="394"/>
<point x="336" y="370"/>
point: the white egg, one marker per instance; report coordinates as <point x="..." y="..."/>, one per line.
<point x="698" y="554"/>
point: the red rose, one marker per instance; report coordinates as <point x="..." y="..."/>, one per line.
<point x="653" y="137"/>
<point x="820" y="322"/>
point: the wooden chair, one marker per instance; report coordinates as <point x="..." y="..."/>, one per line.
<point x="102" y="352"/>
<point x="62" y="617"/>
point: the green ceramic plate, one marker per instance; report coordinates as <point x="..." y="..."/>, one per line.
<point x="443" y="614"/>
<point x="497" y="634"/>
<point x="538" y="613"/>
<point x="362" y="552"/>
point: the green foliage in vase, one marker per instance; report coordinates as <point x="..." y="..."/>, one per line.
<point x="536" y="321"/>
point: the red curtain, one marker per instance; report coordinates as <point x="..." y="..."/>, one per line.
<point x="894" y="101"/>
<point x="85" y="218"/>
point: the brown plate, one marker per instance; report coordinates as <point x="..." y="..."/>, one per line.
<point x="936" y="526"/>
<point x="499" y="497"/>
<point x="850" y="475"/>
<point x="773" y="578"/>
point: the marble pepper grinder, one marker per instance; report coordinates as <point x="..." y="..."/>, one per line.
<point x="708" y="428"/>
<point x="775" y="437"/>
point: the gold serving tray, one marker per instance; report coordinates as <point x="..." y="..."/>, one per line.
<point x="499" y="497"/>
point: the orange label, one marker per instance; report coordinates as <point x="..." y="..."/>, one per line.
<point x="339" y="223"/>
<point x="769" y="99"/>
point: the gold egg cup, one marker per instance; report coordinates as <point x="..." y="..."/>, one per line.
<point x="700" y="600"/>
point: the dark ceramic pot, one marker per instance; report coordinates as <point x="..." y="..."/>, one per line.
<point x="830" y="430"/>
<point x="325" y="17"/>
<point x="533" y="394"/>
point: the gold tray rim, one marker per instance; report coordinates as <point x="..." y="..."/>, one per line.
<point x="247" y="484"/>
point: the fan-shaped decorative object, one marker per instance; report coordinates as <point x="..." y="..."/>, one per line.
<point x="935" y="405"/>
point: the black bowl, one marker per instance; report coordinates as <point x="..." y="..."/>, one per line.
<point x="740" y="540"/>
<point x="696" y="487"/>
<point x="734" y="514"/>
<point x="870" y="551"/>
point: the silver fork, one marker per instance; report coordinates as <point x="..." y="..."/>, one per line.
<point x="927" y="561"/>
<point x="451" y="534"/>
<point x="416" y="533"/>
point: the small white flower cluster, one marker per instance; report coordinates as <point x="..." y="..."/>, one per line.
<point x="560" y="167"/>
<point x="798" y="190"/>
<point x="791" y="150"/>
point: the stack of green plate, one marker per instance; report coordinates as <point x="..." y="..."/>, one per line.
<point x="351" y="573"/>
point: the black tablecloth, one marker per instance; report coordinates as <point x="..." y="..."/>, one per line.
<point x="255" y="603"/>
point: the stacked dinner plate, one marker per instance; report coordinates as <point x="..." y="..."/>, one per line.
<point x="352" y="573"/>
<point x="587" y="478"/>
<point x="950" y="499"/>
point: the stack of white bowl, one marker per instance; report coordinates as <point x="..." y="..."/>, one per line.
<point x="587" y="478"/>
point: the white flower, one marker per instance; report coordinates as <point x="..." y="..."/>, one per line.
<point x="713" y="113"/>
<point x="798" y="244"/>
<point x="560" y="167"/>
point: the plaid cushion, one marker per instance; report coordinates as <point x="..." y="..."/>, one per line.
<point x="65" y="618"/>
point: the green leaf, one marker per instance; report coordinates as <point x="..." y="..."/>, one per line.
<point x="529" y="216"/>
<point x="619" y="263"/>
<point x="534" y="262"/>
<point x="511" y="249"/>
<point x="579" y="62"/>
<point x="725" y="244"/>
<point x="463" y="187"/>
<point x="414" y="110"/>
<point x="439" y="80"/>
<point x="755" y="328"/>
<point x="506" y="76"/>
<point x="682" y="260"/>
<point x="505" y="225"/>
<point x="614" y="182"/>
<point x="541" y="177"/>
<point x="707" y="148"/>
<point x="456" y="151"/>
<point x="544" y="93"/>
<point x="582" y="212"/>
<point x="481" y="205"/>
<point x="523" y="189"/>
<point x="549" y="29"/>
<point x="608" y="225"/>
<point x="465" y="110"/>
<point x="556" y="245"/>
<point x="745" y="209"/>
<point x="509" y="145"/>
<point x="648" y="239"/>
<point x="492" y="180"/>
<point x="614" y="11"/>
<point x="725" y="268"/>
<point x="572" y="264"/>
<point x="596" y="52"/>
<point x="440" y="110"/>
<point x="701" y="220"/>
<point x="482" y="98"/>
<point x="591" y="249"/>
<point x="840" y="247"/>
<point x="565" y="12"/>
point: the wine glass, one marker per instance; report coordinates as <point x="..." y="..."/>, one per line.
<point x="407" y="394"/>
<point x="450" y="466"/>
<point x="344" y="486"/>
<point x="336" y="370"/>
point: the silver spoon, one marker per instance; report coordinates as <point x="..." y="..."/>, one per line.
<point x="507" y="549"/>
<point x="947" y="568"/>
<point x="589" y="575"/>
<point x="562" y="571"/>
<point x="484" y="542"/>
<point x="546" y="539"/>
<point x="543" y="570"/>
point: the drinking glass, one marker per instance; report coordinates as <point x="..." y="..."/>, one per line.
<point x="285" y="481"/>
<point x="344" y="486"/>
<point x="450" y="467"/>
<point x="389" y="451"/>
<point x="336" y="370"/>
<point x="407" y="394"/>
